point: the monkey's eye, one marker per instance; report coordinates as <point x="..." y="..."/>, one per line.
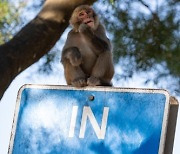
<point x="89" y="11"/>
<point x="81" y="14"/>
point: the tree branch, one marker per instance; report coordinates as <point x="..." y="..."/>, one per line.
<point x="147" y="6"/>
<point x="35" y="39"/>
<point x="154" y="14"/>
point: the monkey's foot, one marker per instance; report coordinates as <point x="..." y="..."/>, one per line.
<point x="93" y="81"/>
<point x="81" y="82"/>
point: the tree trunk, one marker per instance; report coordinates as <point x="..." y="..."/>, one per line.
<point x="35" y="39"/>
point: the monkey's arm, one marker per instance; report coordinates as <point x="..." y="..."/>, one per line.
<point x="103" y="66"/>
<point x="71" y="52"/>
<point x="103" y="70"/>
<point x="71" y="59"/>
<point x="97" y="39"/>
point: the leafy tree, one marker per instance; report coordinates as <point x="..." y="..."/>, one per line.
<point x="146" y="38"/>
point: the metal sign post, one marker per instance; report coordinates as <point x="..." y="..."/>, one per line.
<point x="62" y="119"/>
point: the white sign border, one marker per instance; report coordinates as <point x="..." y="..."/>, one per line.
<point x="97" y="88"/>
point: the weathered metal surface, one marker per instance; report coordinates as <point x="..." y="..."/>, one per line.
<point x="61" y="119"/>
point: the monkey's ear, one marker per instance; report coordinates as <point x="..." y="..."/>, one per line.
<point x="74" y="21"/>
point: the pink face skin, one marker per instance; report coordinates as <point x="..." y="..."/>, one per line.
<point x="86" y="17"/>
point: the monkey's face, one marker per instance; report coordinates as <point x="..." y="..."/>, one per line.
<point x="86" y="16"/>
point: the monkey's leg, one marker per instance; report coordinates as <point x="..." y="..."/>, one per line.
<point x="103" y="71"/>
<point x="73" y="55"/>
<point x="75" y="76"/>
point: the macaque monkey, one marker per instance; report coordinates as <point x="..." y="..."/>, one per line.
<point x="87" y="56"/>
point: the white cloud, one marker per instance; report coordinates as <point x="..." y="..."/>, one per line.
<point x="48" y="117"/>
<point x="117" y="137"/>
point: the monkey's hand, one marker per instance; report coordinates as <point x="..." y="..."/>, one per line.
<point x="74" y="56"/>
<point x="93" y="81"/>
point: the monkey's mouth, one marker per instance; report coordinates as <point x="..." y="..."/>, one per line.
<point x="88" y="22"/>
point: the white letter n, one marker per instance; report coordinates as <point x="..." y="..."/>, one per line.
<point x="100" y="132"/>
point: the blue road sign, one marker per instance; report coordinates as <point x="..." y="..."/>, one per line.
<point x="61" y="119"/>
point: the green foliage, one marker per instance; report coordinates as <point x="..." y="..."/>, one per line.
<point x="112" y="1"/>
<point x="9" y="19"/>
<point x="3" y="9"/>
<point x="145" y="36"/>
<point x="3" y="13"/>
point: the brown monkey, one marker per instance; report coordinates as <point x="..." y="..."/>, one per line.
<point x="86" y="56"/>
